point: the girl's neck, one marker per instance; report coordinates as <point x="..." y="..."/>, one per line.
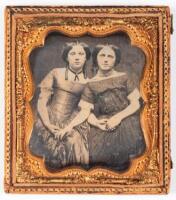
<point x="78" y="71"/>
<point x="106" y="73"/>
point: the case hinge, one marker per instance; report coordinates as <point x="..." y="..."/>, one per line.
<point x="172" y="27"/>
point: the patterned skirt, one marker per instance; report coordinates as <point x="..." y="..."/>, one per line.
<point x="114" y="149"/>
<point x="71" y="150"/>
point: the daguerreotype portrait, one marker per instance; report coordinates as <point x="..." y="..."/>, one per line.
<point x="87" y="100"/>
<point x="87" y="108"/>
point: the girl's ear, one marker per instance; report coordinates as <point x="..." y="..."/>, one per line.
<point x="85" y="70"/>
<point x="66" y="60"/>
<point x="66" y="73"/>
<point x="95" y="70"/>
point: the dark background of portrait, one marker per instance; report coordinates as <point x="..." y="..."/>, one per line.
<point x="44" y="59"/>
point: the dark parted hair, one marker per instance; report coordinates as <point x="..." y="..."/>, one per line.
<point x="97" y="50"/>
<point x="70" y="45"/>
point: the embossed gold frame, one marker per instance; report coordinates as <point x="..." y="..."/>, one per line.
<point x="148" y="29"/>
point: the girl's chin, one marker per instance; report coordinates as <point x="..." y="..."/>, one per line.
<point x="106" y="69"/>
<point x="77" y="68"/>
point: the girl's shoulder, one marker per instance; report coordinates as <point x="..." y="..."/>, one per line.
<point x="99" y="84"/>
<point x="58" y="71"/>
<point x="115" y="75"/>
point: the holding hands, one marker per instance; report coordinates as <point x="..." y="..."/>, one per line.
<point x="113" y="122"/>
<point x="105" y="124"/>
<point x="52" y="128"/>
<point x="56" y="131"/>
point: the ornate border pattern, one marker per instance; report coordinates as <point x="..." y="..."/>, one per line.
<point x="148" y="28"/>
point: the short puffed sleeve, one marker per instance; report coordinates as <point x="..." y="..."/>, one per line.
<point x="87" y="94"/>
<point x="133" y="86"/>
<point x="47" y="82"/>
<point x="85" y="105"/>
<point x="132" y="83"/>
<point x="46" y="85"/>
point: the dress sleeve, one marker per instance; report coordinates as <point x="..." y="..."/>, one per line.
<point x="132" y="83"/>
<point x="86" y="105"/>
<point x="87" y="94"/>
<point x="46" y="85"/>
<point x="133" y="86"/>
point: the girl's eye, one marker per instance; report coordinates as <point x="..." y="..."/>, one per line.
<point x="81" y="53"/>
<point x="102" y="55"/>
<point x="72" y="53"/>
<point x="110" y="56"/>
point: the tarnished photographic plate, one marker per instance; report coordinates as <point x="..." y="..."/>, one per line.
<point x="87" y="100"/>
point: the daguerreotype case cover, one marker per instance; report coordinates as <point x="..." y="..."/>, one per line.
<point x="87" y="100"/>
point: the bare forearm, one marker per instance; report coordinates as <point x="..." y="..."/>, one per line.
<point x="80" y="118"/>
<point x="43" y="112"/>
<point x="92" y="119"/>
<point x="131" y="109"/>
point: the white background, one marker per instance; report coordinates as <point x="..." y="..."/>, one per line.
<point x="172" y="193"/>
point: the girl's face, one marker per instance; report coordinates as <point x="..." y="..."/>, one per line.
<point x="77" y="57"/>
<point x="106" y="58"/>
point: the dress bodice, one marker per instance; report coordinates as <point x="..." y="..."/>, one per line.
<point x="63" y="95"/>
<point x="65" y="99"/>
<point x="110" y="95"/>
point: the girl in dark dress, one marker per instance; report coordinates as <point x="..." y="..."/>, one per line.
<point x="112" y="98"/>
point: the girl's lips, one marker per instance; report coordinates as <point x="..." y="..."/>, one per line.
<point x="106" y="65"/>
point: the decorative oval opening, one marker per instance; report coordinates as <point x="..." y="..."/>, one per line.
<point x="110" y="149"/>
